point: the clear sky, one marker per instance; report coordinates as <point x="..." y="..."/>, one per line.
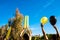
<point x="35" y="9"/>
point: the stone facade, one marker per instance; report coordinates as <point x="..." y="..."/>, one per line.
<point x="24" y="32"/>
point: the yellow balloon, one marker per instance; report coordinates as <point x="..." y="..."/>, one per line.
<point x="44" y="20"/>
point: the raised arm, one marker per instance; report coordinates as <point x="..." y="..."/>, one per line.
<point x="44" y="34"/>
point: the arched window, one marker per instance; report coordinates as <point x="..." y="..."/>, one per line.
<point x="25" y="36"/>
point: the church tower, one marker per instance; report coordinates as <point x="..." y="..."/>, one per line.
<point x="17" y="29"/>
<point x="25" y="31"/>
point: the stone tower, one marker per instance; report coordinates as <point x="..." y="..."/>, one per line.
<point x="24" y="32"/>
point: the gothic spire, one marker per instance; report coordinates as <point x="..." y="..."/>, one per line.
<point x="18" y="14"/>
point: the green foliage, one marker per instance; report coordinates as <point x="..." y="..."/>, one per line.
<point x="50" y="36"/>
<point x="35" y="38"/>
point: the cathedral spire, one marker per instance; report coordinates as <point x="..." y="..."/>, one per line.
<point x="18" y="14"/>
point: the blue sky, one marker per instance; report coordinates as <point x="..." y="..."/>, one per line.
<point x="35" y="9"/>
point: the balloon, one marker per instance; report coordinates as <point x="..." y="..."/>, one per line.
<point x="53" y="20"/>
<point x="44" y="20"/>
